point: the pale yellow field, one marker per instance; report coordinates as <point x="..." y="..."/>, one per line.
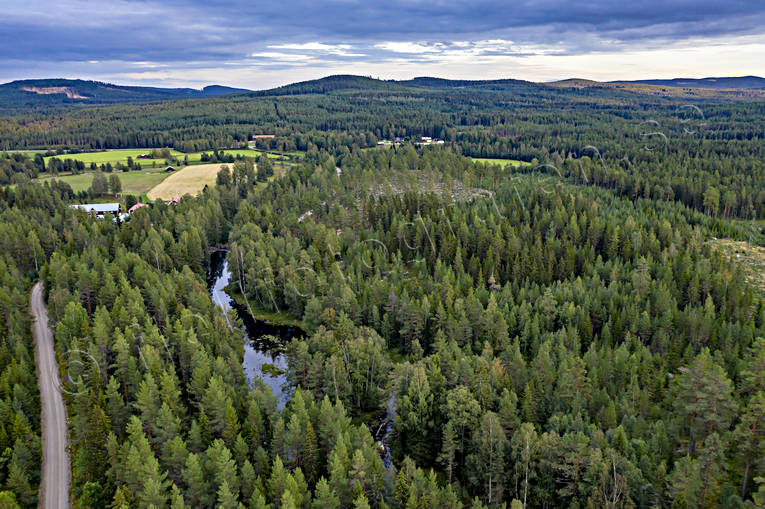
<point x="189" y="180"/>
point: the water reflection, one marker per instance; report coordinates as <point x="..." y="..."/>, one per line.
<point x="263" y="351"/>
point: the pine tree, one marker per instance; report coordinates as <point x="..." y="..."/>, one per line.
<point x="248" y="478"/>
<point x="222" y="466"/>
<point x="524" y="449"/>
<point x="361" y="502"/>
<point x="324" y="496"/>
<point x="753" y="372"/>
<point x="155" y="486"/>
<point x="704" y="398"/>
<point x="749" y="437"/>
<point x="197" y="490"/>
<point x="176" y="498"/>
<point x="338" y="472"/>
<point x="449" y="446"/>
<point x="463" y="411"/>
<point x="401" y="490"/>
<point x="226" y="498"/>
<point x="574" y="462"/>
<point x="487" y="459"/>
<point x="310" y="462"/>
<point x="258" y="501"/>
<point x="122" y="498"/>
<point x="277" y="483"/>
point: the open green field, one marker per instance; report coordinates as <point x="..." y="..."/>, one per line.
<point x="113" y="156"/>
<point x="120" y="156"/>
<point x="28" y="153"/>
<point x="133" y="182"/>
<point x="196" y="157"/>
<point x="501" y="162"/>
<point x="275" y="155"/>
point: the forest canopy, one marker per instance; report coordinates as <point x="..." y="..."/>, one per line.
<point x="559" y="333"/>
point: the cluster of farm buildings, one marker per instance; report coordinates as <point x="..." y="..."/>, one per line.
<point x="102" y="210"/>
<point x="424" y="140"/>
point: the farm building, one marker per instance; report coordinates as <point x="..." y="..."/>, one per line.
<point x="427" y="140"/>
<point x="99" y="209"/>
<point x="263" y="136"/>
<point x="136" y="207"/>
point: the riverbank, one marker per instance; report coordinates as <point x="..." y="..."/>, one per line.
<point x="278" y="319"/>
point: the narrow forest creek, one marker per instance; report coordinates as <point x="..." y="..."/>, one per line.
<point x="264" y="352"/>
<point x="264" y="347"/>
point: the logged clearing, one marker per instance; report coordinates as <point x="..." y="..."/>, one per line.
<point x="69" y="91"/>
<point x="749" y="256"/>
<point x="189" y="180"/>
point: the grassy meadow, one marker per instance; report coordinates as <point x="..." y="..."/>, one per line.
<point x="113" y="156"/>
<point x="501" y="162"/>
<point x="133" y="182"/>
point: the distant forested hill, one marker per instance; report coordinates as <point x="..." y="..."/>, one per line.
<point x="745" y="82"/>
<point x="329" y="84"/>
<point x="55" y="92"/>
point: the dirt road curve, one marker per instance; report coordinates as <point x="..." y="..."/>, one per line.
<point x="56" y="472"/>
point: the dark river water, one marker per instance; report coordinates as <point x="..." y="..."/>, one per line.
<point x="264" y="346"/>
<point x="265" y="342"/>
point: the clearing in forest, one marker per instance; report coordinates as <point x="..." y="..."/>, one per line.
<point x="189" y="180"/>
<point x="750" y="257"/>
<point x="501" y="162"/>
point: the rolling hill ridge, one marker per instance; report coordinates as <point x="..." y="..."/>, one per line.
<point x="53" y="92"/>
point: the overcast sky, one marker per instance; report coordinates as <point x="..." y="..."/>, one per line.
<point x="262" y="43"/>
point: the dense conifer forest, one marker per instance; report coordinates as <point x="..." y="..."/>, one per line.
<point x="562" y="331"/>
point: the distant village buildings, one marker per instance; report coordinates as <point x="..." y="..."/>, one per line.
<point x="427" y="140"/>
<point x="423" y="140"/>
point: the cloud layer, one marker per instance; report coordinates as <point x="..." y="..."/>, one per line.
<point x="265" y="43"/>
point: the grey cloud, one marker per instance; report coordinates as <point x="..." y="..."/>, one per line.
<point x="181" y="31"/>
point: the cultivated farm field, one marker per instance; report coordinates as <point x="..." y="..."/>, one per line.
<point x="113" y="156"/>
<point x="120" y="156"/>
<point x="189" y="180"/>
